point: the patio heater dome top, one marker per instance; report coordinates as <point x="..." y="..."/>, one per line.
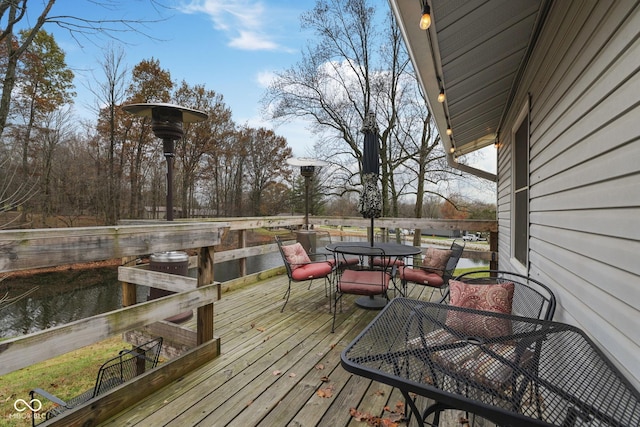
<point x="188" y="115"/>
<point x="305" y="161"/>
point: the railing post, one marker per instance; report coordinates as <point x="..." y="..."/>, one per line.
<point x="242" y="243"/>
<point x="493" y="247"/>
<point x="205" y="313"/>
<point x="128" y="289"/>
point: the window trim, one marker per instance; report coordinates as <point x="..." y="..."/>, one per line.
<point x="523" y="117"/>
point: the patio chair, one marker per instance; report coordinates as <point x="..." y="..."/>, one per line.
<point x="520" y="295"/>
<point x="363" y="278"/>
<point x="114" y="372"/>
<point x="438" y="266"/>
<point x="301" y="267"/>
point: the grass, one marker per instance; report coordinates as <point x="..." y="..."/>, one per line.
<point x="64" y="376"/>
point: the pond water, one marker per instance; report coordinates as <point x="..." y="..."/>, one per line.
<point x="63" y="297"/>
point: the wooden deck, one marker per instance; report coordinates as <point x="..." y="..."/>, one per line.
<point x="276" y="369"/>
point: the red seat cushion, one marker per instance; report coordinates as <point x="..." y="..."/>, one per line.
<point x="422" y="277"/>
<point x="364" y="282"/>
<point x="313" y="270"/>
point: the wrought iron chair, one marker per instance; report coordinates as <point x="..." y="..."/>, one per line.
<point x="529" y="298"/>
<point x="436" y="270"/>
<point x="363" y="278"/>
<point x="114" y="372"/>
<point x="301" y="267"/>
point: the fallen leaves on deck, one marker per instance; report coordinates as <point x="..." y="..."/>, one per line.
<point x="391" y="418"/>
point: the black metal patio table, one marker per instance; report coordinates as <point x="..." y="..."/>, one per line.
<point x="391" y="250"/>
<point x="511" y="370"/>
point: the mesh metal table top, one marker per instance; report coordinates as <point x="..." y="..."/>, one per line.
<point x="509" y="369"/>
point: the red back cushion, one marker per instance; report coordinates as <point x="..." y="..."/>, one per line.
<point x="435" y="260"/>
<point x="295" y="255"/>
<point x="488" y="297"/>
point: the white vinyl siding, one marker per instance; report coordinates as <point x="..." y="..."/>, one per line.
<point x="584" y="172"/>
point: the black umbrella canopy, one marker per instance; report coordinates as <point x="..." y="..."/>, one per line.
<point x="370" y="204"/>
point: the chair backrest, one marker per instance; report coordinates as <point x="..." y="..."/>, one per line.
<point x="323" y="238"/>
<point x="530" y="297"/>
<point x="127" y="365"/>
<point x="287" y="265"/>
<point x="366" y="255"/>
<point x="452" y="263"/>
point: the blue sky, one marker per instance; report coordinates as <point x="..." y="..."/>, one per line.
<point x="230" y="46"/>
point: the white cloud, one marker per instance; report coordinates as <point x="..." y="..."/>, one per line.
<point x="265" y="78"/>
<point x="249" y="40"/>
<point x="243" y="22"/>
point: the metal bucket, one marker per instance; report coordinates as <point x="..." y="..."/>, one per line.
<point x="172" y="262"/>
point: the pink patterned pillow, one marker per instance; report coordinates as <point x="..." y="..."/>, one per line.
<point x="435" y="260"/>
<point x="488" y="297"/>
<point x="295" y="255"/>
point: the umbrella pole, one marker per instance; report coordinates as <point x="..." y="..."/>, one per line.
<point x="371" y="236"/>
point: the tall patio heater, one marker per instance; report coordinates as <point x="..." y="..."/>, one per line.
<point x="307" y="168"/>
<point x="166" y="123"/>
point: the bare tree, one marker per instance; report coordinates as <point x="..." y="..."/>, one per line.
<point x="199" y="139"/>
<point x="353" y="68"/>
<point x="265" y="166"/>
<point x="55" y="132"/>
<point x="356" y="65"/>
<point x="109" y="96"/>
<point x="15" y="191"/>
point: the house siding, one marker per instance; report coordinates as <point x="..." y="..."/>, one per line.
<point x="583" y="82"/>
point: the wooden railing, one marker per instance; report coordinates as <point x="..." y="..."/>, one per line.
<point x="33" y="249"/>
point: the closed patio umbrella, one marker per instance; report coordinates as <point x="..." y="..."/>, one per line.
<point x="370" y="204"/>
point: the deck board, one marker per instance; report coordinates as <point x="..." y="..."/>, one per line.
<point x="273" y="367"/>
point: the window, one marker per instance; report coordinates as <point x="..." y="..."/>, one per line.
<point x="520" y="209"/>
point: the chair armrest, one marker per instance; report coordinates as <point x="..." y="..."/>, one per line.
<point x="429" y="269"/>
<point x="319" y="256"/>
<point x="49" y="396"/>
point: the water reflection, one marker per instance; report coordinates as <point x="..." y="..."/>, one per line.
<point x="59" y="300"/>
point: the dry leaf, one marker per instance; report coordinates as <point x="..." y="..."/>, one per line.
<point x="261" y="329"/>
<point x="277" y="372"/>
<point x="359" y="416"/>
<point x="324" y="379"/>
<point x="292" y="375"/>
<point x="249" y="403"/>
<point x="319" y="366"/>
<point x="379" y="393"/>
<point x="253" y="325"/>
<point x="326" y="392"/>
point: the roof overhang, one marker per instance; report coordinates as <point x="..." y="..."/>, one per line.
<point x="476" y="51"/>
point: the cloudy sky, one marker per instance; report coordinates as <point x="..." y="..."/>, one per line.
<point x="230" y="46"/>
